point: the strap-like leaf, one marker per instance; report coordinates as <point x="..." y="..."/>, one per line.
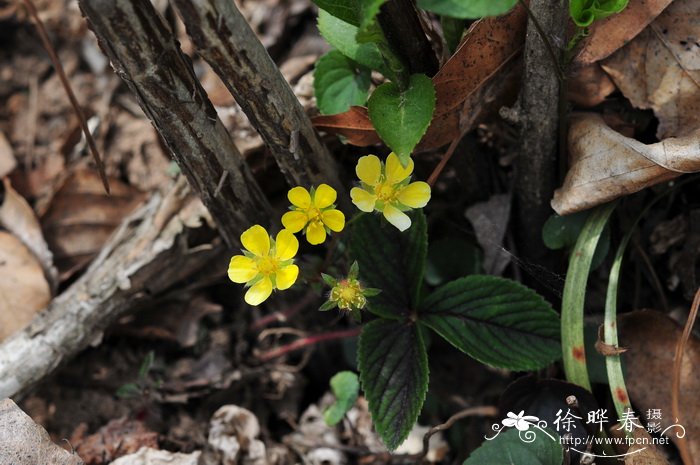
<point x="394" y="373"/>
<point x="495" y="320"/>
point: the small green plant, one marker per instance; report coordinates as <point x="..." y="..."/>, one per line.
<point x="143" y="382"/>
<point x="346" y="388"/>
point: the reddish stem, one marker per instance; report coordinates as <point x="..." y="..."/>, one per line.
<point x="284" y="315"/>
<point x="308" y="341"/>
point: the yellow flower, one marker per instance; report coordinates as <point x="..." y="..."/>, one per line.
<point x="314" y="212"/>
<point x="387" y="188"/>
<point x="266" y="264"/>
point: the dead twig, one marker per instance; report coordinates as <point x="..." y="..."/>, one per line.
<point x="43" y="34"/>
<point x="481" y="411"/>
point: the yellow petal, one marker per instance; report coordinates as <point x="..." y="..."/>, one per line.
<point x="415" y="195"/>
<point x="294" y="221"/>
<point x="256" y="240"/>
<point x="325" y="196"/>
<point x="368" y="169"/>
<point x="395" y="172"/>
<point x="299" y="197"/>
<point x="334" y="219"/>
<point x="363" y="199"/>
<point x="316" y="233"/>
<point x="396" y="217"/>
<point x="285" y="277"/>
<point x="242" y="269"/>
<point x="286" y="245"/>
<point x="259" y="292"/>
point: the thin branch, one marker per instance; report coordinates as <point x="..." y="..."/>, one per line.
<point x="481" y="411"/>
<point x="307" y="342"/>
<point x="43" y="34"/>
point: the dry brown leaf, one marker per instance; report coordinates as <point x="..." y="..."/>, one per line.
<point x="354" y="125"/>
<point x="82" y="216"/>
<point x="118" y="437"/>
<point x="612" y="33"/>
<point x="24" y="291"/>
<point x="605" y="165"/>
<point x="23" y="442"/>
<point x="644" y="452"/>
<point x="148" y="456"/>
<point x="660" y="69"/>
<point x="589" y="86"/>
<point x="474" y="83"/>
<point x="651" y="337"/>
<point x="17" y="217"/>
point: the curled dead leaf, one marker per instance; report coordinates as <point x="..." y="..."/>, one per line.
<point x="589" y="85"/>
<point x="643" y="451"/>
<point x="605" y="165"/>
<point x="17" y="217"/>
<point x="354" y="125"/>
<point x="660" y="69"/>
<point x="608" y="35"/>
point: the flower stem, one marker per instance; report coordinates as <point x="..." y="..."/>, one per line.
<point x="308" y="341"/>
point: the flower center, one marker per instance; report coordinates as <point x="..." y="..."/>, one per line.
<point x="313" y="214"/>
<point x="385" y="192"/>
<point x="268" y="265"/>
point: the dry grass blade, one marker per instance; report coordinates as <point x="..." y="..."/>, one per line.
<point x="69" y="90"/>
<point x="677" y="363"/>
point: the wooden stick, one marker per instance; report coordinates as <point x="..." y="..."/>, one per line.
<point x="226" y="41"/>
<point x="147" y="255"/>
<point x="146" y="55"/>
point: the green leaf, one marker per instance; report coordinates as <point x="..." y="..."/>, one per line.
<point x="369" y="30"/>
<point x="342" y="35"/>
<point x="147" y="364"/>
<point x="452" y="30"/>
<point x="339" y="83"/>
<point x="128" y="391"/>
<point x="393" y="367"/>
<point x="562" y="232"/>
<point x="392" y="261"/>
<point x="495" y="320"/>
<point x="507" y="446"/>
<point x="467" y="9"/>
<point x="584" y="12"/>
<point x="345" y="387"/>
<point x="345" y="10"/>
<point x="451" y="258"/>
<point x="402" y="118"/>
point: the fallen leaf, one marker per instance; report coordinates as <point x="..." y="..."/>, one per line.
<point x="605" y="165"/>
<point x="471" y="84"/>
<point x="117" y="438"/>
<point x="7" y="156"/>
<point x="643" y="451"/>
<point x="17" y="217"/>
<point x="23" y="442"/>
<point x="588" y="86"/>
<point x="660" y="69"/>
<point x="612" y="33"/>
<point x="651" y="337"/>
<point x="490" y="222"/>
<point x="24" y="291"/>
<point x="149" y="456"/>
<point x="354" y="125"/>
<point x="82" y="216"/>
